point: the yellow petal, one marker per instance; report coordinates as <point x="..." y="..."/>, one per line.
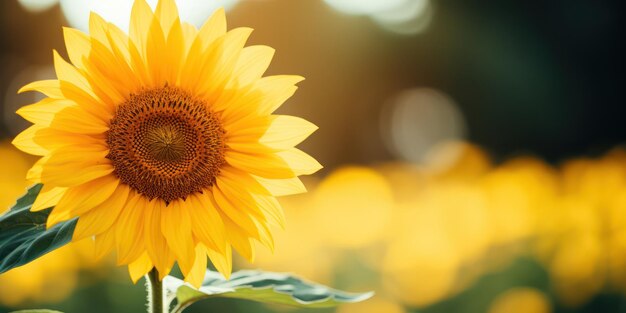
<point x="167" y="12"/>
<point x="57" y="216"/>
<point x="239" y="240"/>
<point x="189" y="35"/>
<point x="213" y="28"/>
<point x="265" y="235"/>
<point x="233" y="176"/>
<point x="25" y="141"/>
<point x="101" y="217"/>
<point x="130" y="68"/>
<point x="60" y="177"/>
<point x="231" y="208"/>
<point x="223" y="261"/>
<point x="104" y="243"/>
<point x="206" y="222"/>
<point x="300" y="162"/>
<point x="76" y="120"/>
<point x="271" y="208"/>
<point x="175" y="53"/>
<point x="268" y="165"/>
<point x="252" y="63"/>
<point x="77" y="45"/>
<point x="34" y="173"/>
<point x="43" y="112"/>
<point x="140" y="20"/>
<point x="156" y="245"/>
<point x="275" y="90"/>
<point x="139" y="65"/>
<point x="111" y="73"/>
<point x="244" y="129"/>
<point x="48" y="197"/>
<point x="80" y="154"/>
<point x="50" y="88"/>
<point x="285" y="132"/>
<point x="129" y="236"/>
<point x="80" y="199"/>
<point x="282" y="187"/>
<point x="68" y="73"/>
<point x="239" y="195"/>
<point x="176" y="227"/>
<point x="98" y="28"/>
<point x="219" y="64"/>
<point x="139" y="267"/>
<point x="70" y="166"/>
<point x="120" y="44"/>
<point x="198" y="270"/>
<point x="75" y="86"/>
<point x="156" y="53"/>
<point x="53" y="139"/>
<point x="89" y="102"/>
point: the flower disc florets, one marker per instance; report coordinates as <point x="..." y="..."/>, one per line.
<point x="166" y="144"/>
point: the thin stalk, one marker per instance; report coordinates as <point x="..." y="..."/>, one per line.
<point x="154" y="286"/>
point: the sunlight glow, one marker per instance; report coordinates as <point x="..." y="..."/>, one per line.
<point x="118" y="11"/>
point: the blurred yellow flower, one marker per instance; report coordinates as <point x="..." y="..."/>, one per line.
<point x="517" y="193"/>
<point x="50" y="278"/>
<point x="163" y="141"/>
<point x="521" y="300"/>
<point x="360" y="202"/>
<point x="583" y="244"/>
<point x="433" y="233"/>
<point x="420" y="267"/>
<point x="12" y="181"/>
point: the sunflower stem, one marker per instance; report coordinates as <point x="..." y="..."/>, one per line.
<point x="154" y="286"/>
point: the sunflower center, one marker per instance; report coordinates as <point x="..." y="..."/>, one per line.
<point x="166" y="144"/>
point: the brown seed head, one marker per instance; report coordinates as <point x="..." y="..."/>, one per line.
<point x="166" y="144"/>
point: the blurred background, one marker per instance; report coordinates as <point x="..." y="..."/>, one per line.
<point x="472" y="153"/>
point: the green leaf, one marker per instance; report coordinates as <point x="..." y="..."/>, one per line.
<point x="36" y="311"/>
<point x="23" y="234"/>
<point x="260" y="286"/>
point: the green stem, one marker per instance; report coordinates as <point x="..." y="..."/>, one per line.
<point x="155" y="292"/>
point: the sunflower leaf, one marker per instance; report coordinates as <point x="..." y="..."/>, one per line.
<point x="260" y="286"/>
<point x="23" y="234"/>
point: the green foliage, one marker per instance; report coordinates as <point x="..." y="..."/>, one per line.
<point x="23" y="234"/>
<point x="37" y="311"/>
<point x="260" y="286"/>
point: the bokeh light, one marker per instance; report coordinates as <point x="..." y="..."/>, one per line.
<point x="416" y="120"/>
<point x="118" y="11"/>
<point x="412" y="17"/>
<point x="37" y="6"/>
<point x="365" y="7"/>
<point x="407" y="17"/>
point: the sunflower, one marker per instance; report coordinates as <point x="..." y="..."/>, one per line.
<point x="163" y="143"/>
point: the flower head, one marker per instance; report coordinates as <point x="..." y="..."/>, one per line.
<point x="163" y="142"/>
